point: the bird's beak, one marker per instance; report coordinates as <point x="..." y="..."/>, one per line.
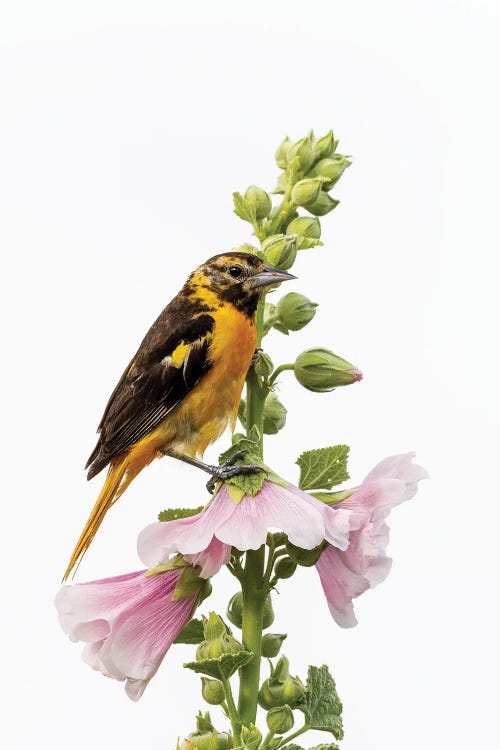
<point x="269" y="276"/>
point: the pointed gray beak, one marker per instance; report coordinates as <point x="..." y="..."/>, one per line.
<point x="269" y="276"/>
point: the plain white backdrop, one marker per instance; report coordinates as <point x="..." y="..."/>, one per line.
<point x="124" y="129"/>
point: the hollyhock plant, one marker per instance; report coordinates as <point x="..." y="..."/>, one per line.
<point x="256" y="525"/>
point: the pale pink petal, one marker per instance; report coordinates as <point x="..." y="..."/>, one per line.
<point x="397" y="467"/>
<point x="212" y="559"/>
<point x="340" y="585"/>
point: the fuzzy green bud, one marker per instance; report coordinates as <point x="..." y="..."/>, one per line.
<point x="274" y="415"/>
<point x="217" y="641"/>
<point x="295" y="311"/>
<point x="306" y="192"/>
<point x="206" y="736"/>
<point x="280" y="719"/>
<point x="267" y="613"/>
<point x="331" y="169"/>
<point x="324" y="146"/>
<point x="285" y="567"/>
<point x="321" y="370"/>
<point x="271" y="644"/>
<point x="304" y="557"/>
<point x="263" y="365"/>
<point x="282" y="151"/>
<point x="305" y="226"/>
<point x="260" y="201"/>
<point x="212" y="691"/>
<point x="251" y="737"/>
<point x="322" y="205"/>
<point x="234" y="610"/>
<point x="300" y="155"/>
<point x="280" y="251"/>
<point x="280" y="688"/>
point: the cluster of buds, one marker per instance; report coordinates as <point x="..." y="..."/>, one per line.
<point x="218" y="639"/>
<point x="206" y="737"/>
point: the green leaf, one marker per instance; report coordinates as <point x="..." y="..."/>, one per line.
<point x="173" y="514"/>
<point x="188" y="584"/>
<point x="326" y="746"/>
<point x="223" y="667"/>
<point x="323" y="468"/>
<point x="244" y="209"/>
<point x="330" y="498"/>
<point x="321" y="704"/>
<point x="191" y="633"/>
<point x="305" y="243"/>
<point x="250" y="484"/>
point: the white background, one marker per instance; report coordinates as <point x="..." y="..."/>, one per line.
<point x="124" y="129"/>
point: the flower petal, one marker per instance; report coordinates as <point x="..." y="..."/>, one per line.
<point x="340" y="585"/>
<point x="212" y="559"/>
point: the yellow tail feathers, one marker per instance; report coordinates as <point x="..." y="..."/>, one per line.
<point x="113" y="488"/>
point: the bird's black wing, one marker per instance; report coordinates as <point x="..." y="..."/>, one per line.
<point x="170" y="361"/>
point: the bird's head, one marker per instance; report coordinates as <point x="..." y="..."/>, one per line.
<point x="236" y="277"/>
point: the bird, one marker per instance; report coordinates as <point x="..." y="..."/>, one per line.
<point x="183" y="386"/>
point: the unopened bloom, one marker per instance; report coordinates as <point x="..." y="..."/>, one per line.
<point x="127" y="623"/>
<point x="346" y="574"/>
<point x="245" y="524"/>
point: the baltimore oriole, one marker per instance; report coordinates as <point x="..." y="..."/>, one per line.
<point x="183" y="386"/>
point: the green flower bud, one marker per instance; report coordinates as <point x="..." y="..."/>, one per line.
<point x="280" y="688"/>
<point x="331" y="170"/>
<point x="322" y="205"/>
<point x="295" y="311"/>
<point x="251" y="737"/>
<point x="280" y="719"/>
<point x="263" y="365"/>
<point x="206" y="736"/>
<point x="234" y="610"/>
<point x="271" y="644"/>
<point x="285" y="567"/>
<point x="217" y="641"/>
<point x="304" y="557"/>
<point x="305" y="226"/>
<point x="282" y="151"/>
<point x="212" y="691"/>
<point x="321" y="370"/>
<point x="301" y="154"/>
<point x="274" y="415"/>
<point x="324" y="146"/>
<point x="260" y="200"/>
<point x="280" y="251"/>
<point x="267" y="613"/>
<point x="306" y="192"/>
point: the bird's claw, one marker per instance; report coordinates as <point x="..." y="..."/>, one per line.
<point x="256" y="355"/>
<point x="228" y="470"/>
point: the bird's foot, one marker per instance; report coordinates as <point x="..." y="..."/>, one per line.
<point x="256" y="355"/>
<point x="229" y="469"/>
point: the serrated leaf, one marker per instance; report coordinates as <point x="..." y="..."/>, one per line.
<point x="244" y="209"/>
<point x="330" y="498"/>
<point x="326" y="746"/>
<point x="321" y="704"/>
<point x="223" y="667"/>
<point x="323" y="468"/>
<point x="250" y="484"/>
<point x="173" y="514"/>
<point x="293" y="746"/>
<point x="192" y="633"/>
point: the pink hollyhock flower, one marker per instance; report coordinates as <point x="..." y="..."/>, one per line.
<point x="127" y="622"/>
<point x="346" y="574"/>
<point x="225" y="523"/>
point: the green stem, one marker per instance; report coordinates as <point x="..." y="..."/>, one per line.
<point x="232" y="711"/>
<point x="290" y="737"/>
<point x="279" y="370"/>
<point x="268" y="738"/>
<point x="254" y="596"/>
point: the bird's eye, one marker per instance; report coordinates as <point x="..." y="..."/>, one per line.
<point x="235" y="271"/>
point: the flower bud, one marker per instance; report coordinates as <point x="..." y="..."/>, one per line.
<point x="263" y="365"/>
<point x="274" y="415"/>
<point x="305" y="226"/>
<point x="301" y="154"/>
<point x="260" y="201"/>
<point x="234" y="610"/>
<point x="206" y="736"/>
<point x="280" y="251"/>
<point x="304" y="557"/>
<point x="251" y="737"/>
<point x="217" y="641"/>
<point x="306" y="192"/>
<point x="280" y="719"/>
<point x="324" y="146"/>
<point x="285" y="567"/>
<point x="331" y="170"/>
<point x="295" y="311"/>
<point x="321" y="370"/>
<point x="322" y="205"/>
<point x="212" y="691"/>
<point x="282" y="151"/>
<point x="271" y="644"/>
<point x="280" y="688"/>
<point x="267" y="613"/>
